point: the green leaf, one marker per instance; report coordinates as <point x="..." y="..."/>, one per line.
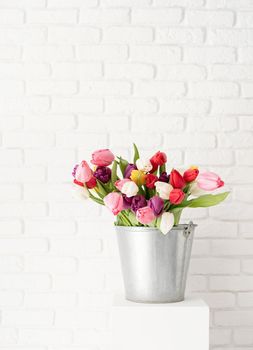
<point x="132" y="218"/>
<point x="123" y="164"/>
<point x="98" y="193"/>
<point x="101" y="189"/>
<point x="95" y="199"/>
<point x="136" y="153"/>
<point x="162" y="169"/>
<point x="207" y="200"/>
<point x="114" y="172"/>
<point x="177" y="215"/>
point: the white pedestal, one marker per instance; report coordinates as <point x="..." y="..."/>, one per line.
<point x="177" y="326"/>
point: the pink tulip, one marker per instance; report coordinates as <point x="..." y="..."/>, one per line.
<point x="209" y="181"/>
<point x="145" y="215"/>
<point x="127" y="187"/>
<point x="114" y="201"/>
<point x="83" y="172"/>
<point x="120" y="183"/>
<point x="102" y="157"/>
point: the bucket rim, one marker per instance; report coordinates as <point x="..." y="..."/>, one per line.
<point x="144" y="228"/>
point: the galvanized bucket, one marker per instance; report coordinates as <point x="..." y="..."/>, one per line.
<point x="154" y="265"/>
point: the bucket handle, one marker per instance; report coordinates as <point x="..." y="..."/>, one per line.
<point x="188" y="229"/>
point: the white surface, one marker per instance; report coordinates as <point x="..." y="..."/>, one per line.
<point x="176" y="326"/>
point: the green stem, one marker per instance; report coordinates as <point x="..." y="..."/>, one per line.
<point x="177" y="215"/>
<point x="95" y="199"/>
<point x="124" y="219"/>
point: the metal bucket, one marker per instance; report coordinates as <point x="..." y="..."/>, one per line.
<point x="154" y="265"/>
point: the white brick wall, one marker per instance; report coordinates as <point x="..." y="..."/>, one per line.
<point x="77" y="75"/>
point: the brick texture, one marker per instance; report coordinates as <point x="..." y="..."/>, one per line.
<point x="77" y="75"/>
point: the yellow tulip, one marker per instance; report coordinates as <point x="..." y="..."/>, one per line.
<point x="138" y="177"/>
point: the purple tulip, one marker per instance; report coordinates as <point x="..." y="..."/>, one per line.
<point x="138" y="202"/>
<point x="127" y="201"/>
<point x="128" y="170"/>
<point x="164" y="177"/>
<point x="103" y="174"/>
<point x="156" y="204"/>
<point x="74" y="170"/>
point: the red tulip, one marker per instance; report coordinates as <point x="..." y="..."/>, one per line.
<point x="176" y="179"/>
<point x="91" y="183"/>
<point x="158" y="159"/>
<point x="151" y="180"/>
<point x="190" y="174"/>
<point x="176" y="196"/>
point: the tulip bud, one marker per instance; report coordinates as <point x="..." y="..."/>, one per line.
<point x="209" y="181"/>
<point x="91" y="183"/>
<point x="190" y="174"/>
<point x="145" y="215"/>
<point x="130" y="189"/>
<point x="176" y="179"/>
<point x="143" y="165"/>
<point x="128" y="170"/>
<point x="83" y="172"/>
<point x="156" y="204"/>
<point x="195" y="190"/>
<point x="138" y="202"/>
<point x="102" y="157"/>
<point x="138" y="177"/>
<point x="163" y="189"/>
<point x="158" y="159"/>
<point x="114" y="201"/>
<point x="151" y="180"/>
<point x="166" y="223"/>
<point x="103" y="174"/>
<point x="176" y="196"/>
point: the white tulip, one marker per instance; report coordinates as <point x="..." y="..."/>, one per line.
<point x="130" y="188"/>
<point x="80" y="192"/>
<point x="166" y="223"/>
<point x="163" y="189"/>
<point x="196" y="191"/>
<point x="144" y="165"/>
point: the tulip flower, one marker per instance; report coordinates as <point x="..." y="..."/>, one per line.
<point x="128" y="170"/>
<point x="195" y="190"/>
<point x="176" y="179"/>
<point x="114" y="201"/>
<point x="163" y="189"/>
<point x="156" y="204"/>
<point x="138" y="177"/>
<point x="119" y="183"/>
<point x="151" y="180"/>
<point x="158" y="159"/>
<point x="145" y="215"/>
<point x="167" y="222"/>
<point x="164" y="177"/>
<point x="103" y="174"/>
<point x="190" y="174"/>
<point x="82" y="172"/>
<point x="102" y="157"/>
<point x="91" y="183"/>
<point x="176" y="196"/>
<point x="138" y="202"/>
<point x="128" y="187"/>
<point x="143" y="165"/>
<point x="127" y="201"/>
<point x="209" y="181"/>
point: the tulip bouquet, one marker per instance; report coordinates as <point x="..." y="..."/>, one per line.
<point x="147" y="194"/>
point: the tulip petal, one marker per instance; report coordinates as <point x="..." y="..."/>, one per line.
<point x="166" y="223"/>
